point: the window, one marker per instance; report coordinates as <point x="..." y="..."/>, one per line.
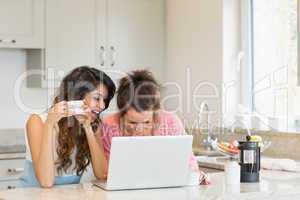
<point x="275" y="93"/>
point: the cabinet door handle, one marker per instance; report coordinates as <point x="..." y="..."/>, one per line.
<point x="102" y="55"/>
<point x="15" y="170"/>
<point x="113" y="54"/>
<point x="11" y="187"/>
<point x="8" y="41"/>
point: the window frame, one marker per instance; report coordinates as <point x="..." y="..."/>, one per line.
<point x="246" y="88"/>
<point x="247" y="44"/>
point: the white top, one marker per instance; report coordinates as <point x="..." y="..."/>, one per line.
<point x="43" y="117"/>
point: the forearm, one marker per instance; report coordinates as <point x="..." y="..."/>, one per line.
<point x="44" y="166"/>
<point x="99" y="162"/>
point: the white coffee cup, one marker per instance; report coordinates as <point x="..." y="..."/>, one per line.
<point x="75" y="107"/>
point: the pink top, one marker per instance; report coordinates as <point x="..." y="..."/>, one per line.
<point x="168" y="124"/>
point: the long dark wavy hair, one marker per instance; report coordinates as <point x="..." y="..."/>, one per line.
<point x="71" y="136"/>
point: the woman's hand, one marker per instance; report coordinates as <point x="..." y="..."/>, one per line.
<point x="194" y="167"/>
<point x="85" y="119"/>
<point x="58" y="111"/>
<point x="203" y="179"/>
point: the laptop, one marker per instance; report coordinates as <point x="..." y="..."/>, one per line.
<point x="148" y="162"/>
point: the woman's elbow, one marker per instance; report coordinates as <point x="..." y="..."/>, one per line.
<point x="46" y="184"/>
<point x="101" y="177"/>
<point x="101" y="174"/>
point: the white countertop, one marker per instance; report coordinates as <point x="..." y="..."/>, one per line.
<point x="5" y="156"/>
<point x="274" y="185"/>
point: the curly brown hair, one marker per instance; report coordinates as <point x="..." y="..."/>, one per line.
<point x="71" y="135"/>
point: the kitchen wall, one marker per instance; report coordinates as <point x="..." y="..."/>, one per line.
<point x="202" y="47"/>
<point x="194" y="54"/>
<point x="232" y="65"/>
<point x="12" y="62"/>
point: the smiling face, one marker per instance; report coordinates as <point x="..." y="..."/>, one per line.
<point x="138" y="123"/>
<point x="95" y="100"/>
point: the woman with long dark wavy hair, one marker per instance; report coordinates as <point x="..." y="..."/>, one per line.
<point x="61" y="143"/>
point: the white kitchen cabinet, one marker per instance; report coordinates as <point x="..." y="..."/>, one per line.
<point x="9" y="185"/>
<point x="21" y="23"/>
<point x="135" y="35"/>
<point x="70" y="35"/>
<point x="10" y="172"/>
<point x="113" y="35"/>
<point x="70" y="41"/>
<point x="11" y="167"/>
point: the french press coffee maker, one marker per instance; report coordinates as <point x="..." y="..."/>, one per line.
<point x="249" y="161"/>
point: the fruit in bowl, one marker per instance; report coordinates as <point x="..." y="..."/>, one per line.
<point x="255" y="138"/>
<point x="262" y="144"/>
<point x="230" y="148"/>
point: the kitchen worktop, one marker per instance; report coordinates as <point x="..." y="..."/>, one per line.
<point x="274" y="185"/>
<point x="5" y="156"/>
<point x="283" y="145"/>
<point x="217" y="163"/>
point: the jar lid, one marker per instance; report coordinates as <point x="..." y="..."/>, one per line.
<point x="248" y="145"/>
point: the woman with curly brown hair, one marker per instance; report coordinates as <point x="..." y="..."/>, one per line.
<point x="61" y="143"/>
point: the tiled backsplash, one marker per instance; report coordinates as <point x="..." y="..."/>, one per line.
<point x="12" y="140"/>
<point x="284" y="145"/>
